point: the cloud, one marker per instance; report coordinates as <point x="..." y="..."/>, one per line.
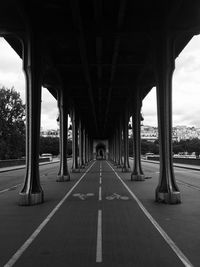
<point x="48" y="122"/>
<point x="49" y="110"/>
<point x="186" y="87"/>
<point x="149" y="108"/>
<point x="10" y="61"/>
<point x="11" y="72"/>
<point x="12" y="75"/>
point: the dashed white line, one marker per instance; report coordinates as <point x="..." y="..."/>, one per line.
<point x="10" y="188"/>
<point x="168" y="240"/>
<point x="28" y="242"/>
<point x="99" y="238"/>
<point x="188" y="185"/>
<point x="100" y="194"/>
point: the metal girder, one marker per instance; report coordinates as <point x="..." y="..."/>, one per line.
<point x="115" y="56"/>
<point x="83" y="54"/>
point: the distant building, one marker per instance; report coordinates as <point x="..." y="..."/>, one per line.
<point x="185" y="132"/>
<point x="49" y="133"/>
<point x="54" y="133"/>
<point x="150" y="133"/>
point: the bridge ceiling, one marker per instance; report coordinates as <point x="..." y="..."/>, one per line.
<point x="101" y="49"/>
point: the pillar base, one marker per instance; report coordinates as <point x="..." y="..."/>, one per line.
<point x="169" y="197"/>
<point x="75" y="170"/>
<point x="126" y="169"/>
<point x="119" y="166"/>
<point x="63" y="178"/>
<point x="82" y="167"/>
<point x="30" y="199"/>
<point x="137" y="177"/>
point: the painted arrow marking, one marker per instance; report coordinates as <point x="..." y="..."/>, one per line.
<point x="117" y="196"/>
<point x="83" y="196"/>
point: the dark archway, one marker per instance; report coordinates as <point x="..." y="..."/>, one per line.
<point x="100" y="151"/>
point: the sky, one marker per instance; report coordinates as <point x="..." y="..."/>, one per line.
<point x="11" y="74"/>
<point x="186" y="88"/>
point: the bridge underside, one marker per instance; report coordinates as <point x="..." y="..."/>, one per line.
<point x="99" y="59"/>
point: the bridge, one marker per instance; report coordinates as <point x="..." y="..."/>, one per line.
<point x="99" y="59"/>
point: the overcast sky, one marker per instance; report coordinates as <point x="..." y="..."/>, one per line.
<point x="186" y="87"/>
<point x="186" y="90"/>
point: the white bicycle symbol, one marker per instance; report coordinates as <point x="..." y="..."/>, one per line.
<point x="117" y="196"/>
<point x="83" y="196"/>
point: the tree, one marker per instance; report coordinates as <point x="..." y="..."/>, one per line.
<point x="194" y="146"/>
<point x="51" y="145"/>
<point x="12" y="126"/>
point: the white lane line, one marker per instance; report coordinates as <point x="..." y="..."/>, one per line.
<point x="10" y="188"/>
<point x="99" y="238"/>
<point x="168" y="240"/>
<point x="100" y="195"/>
<point x="188" y="185"/>
<point x="100" y="175"/>
<point x="28" y="242"/>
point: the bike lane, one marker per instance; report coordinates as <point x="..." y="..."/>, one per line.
<point x="129" y="238"/>
<point x="99" y="223"/>
<point x="69" y="237"/>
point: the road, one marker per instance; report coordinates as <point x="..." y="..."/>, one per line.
<point x="99" y="218"/>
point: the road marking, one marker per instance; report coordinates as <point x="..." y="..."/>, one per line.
<point x="99" y="237"/>
<point x="100" y="181"/>
<point x="117" y="196"/>
<point x="100" y="196"/>
<point x="188" y="185"/>
<point x="83" y="196"/>
<point x="28" y="242"/>
<point x="168" y="240"/>
<point x="9" y="189"/>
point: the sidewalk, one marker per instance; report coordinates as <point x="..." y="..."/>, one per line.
<point x="178" y="165"/>
<point x="13" y="168"/>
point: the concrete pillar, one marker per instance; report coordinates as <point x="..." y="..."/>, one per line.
<point x="119" y="148"/>
<point x="83" y="143"/>
<point x="32" y="192"/>
<point x="116" y="147"/>
<point x="113" y="148"/>
<point x="137" y="174"/>
<point x="75" y="166"/>
<point x="167" y="190"/>
<point x="120" y="145"/>
<point x="81" y="162"/>
<point x="109" y="149"/>
<point x="63" y="174"/>
<point x="125" y="121"/>
<point x="86" y="148"/>
<point x="91" y="149"/>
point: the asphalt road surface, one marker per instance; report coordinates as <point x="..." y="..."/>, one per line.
<point x="100" y="218"/>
